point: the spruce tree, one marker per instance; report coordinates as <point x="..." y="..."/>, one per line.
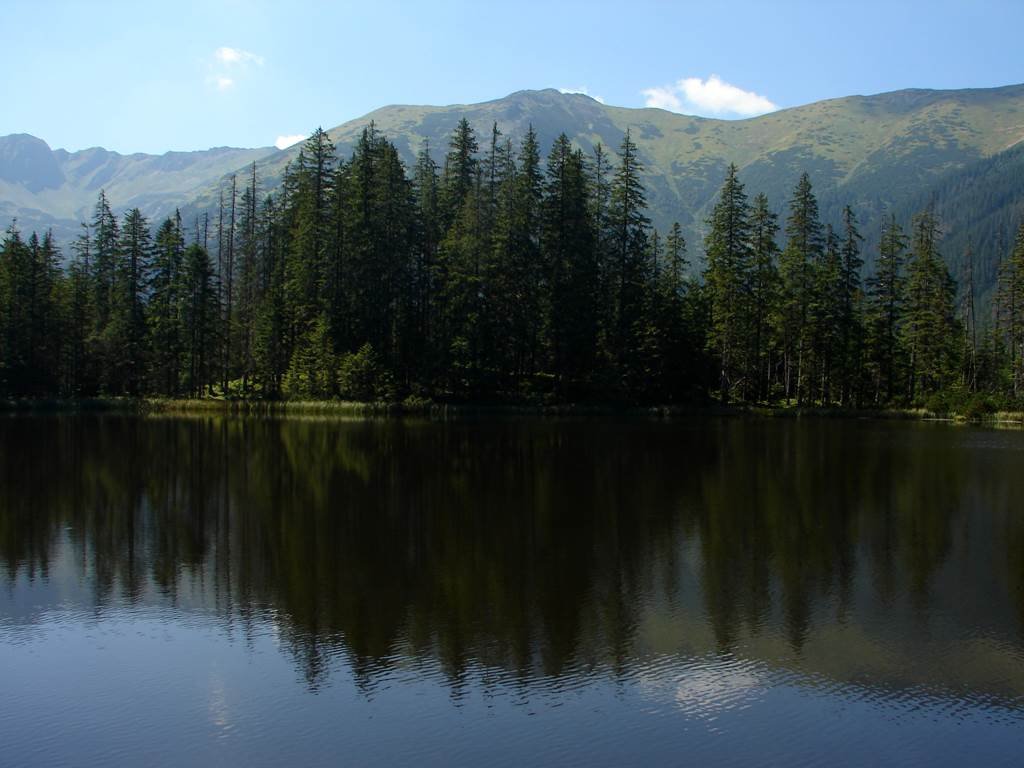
<point x="568" y="252"/>
<point x="17" y="268"/>
<point x="460" y="171"/>
<point x="930" y="327"/>
<point x="200" y="318"/>
<point x="850" y="316"/>
<point x="164" y="308"/>
<point x="1010" y="306"/>
<point x="125" y="337"/>
<point x="797" y="264"/>
<point x="81" y="374"/>
<point x="764" y="296"/>
<point x="629" y="230"/>
<point x="728" y="279"/>
<point x="884" y="311"/>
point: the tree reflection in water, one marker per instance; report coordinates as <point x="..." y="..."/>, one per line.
<point x="534" y="547"/>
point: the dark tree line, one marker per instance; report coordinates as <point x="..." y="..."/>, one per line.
<point x="497" y="276"/>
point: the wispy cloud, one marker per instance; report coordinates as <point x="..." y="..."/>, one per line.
<point x="283" y="142"/>
<point x="230" y="56"/>
<point x="583" y="90"/>
<point x="227" y="65"/>
<point x="713" y="96"/>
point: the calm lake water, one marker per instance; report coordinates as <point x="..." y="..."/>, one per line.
<point x="500" y="592"/>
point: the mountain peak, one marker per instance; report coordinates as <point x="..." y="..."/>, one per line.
<point x="29" y="161"/>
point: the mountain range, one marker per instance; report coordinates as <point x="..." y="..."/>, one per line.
<point x="895" y="152"/>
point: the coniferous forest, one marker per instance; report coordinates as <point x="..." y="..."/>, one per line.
<point x="502" y="276"/>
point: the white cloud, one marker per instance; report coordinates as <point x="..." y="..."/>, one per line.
<point x="712" y="96"/>
<point x="228" y="66"/>
<point x="231" y="56"/>
<point x="663" y="97"/>
<point x="582" y="90"/>
<point x="283" y="142"/>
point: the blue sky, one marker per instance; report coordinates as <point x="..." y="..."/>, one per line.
<point x="182" y="75"/>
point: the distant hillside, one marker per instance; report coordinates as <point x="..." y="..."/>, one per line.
<point x="879" y="153"/>
<point x="980" y="205"/>
<point x="56" y="189"/>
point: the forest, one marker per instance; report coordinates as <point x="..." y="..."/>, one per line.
<point x="500" y="276"/>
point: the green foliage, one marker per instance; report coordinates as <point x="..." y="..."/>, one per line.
<point x="500" y="278"/>
<point x="311" y="372"/>
<point x="728" y="277"/>
<point x="362" y="376"/>
<point x="930" y="328"/>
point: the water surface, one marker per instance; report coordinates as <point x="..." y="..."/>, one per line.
<point x="509" y="592"/>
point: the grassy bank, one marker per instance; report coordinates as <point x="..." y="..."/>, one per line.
<point x="433" y="409"/>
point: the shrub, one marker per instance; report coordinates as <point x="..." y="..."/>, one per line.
<point x="362" y="376"/>
<point x="979" y="406"/>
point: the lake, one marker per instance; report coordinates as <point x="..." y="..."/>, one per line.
<point x="497" y="591"/>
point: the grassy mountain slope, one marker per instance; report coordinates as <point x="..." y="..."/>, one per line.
<point x="878" y="153"/>
<point x="875" y="152"/>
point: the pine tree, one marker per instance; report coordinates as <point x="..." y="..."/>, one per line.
<point x="969" y="321"/>
<point x="104" y="259"/>
<point x="568" y="243"/>
<point x="16" y="305"/>
<point x="226" y="279"/>
<point x="728" y="280"/>
<point x="930" y="327"/>
<point x="824" y="319"/>
<point x="164" y="308"/>
<point x="460" y="171"/>
<point x="81" y="374"/>
<point x="124" y="338"/>
<point x="1010" y="306"/>
<point x="517" y="260"/>
<point x="271" y="349"/>
<point x="883" y="313"/>
<point x="308" y="191"/>
<point x="248" y="277"/>
<point x="379" y="225"/>
<point x="628" y="252"/>
<point x="200" y="318"/>
<point x="460" y="261"/>
<point x="600" y="202"/>
<point x="764" y="296"/>
<point x="851" y="299"/>
<point x="797" y="263"/>
<point x="426" y="190"/>
<point x="671" y="356"/>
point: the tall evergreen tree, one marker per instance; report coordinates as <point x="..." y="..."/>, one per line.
<point x="125" y="338"/>
<point x="930" y="328"/>
<point x="569" y="250"/>
<point x="797" y="265"/>
<point x="728" y="279"/>
<point x="850" y="316"/>
<point x="628" y="254"/>
<point x="200" y="318"/>
<point x="248" y="255"/>
<point x="1010" y="307"/>
<point x="308" y="189"/>
<point x="164" y="308"/>
<point x="79" y="369"/>
<point x="884" y="310"/>
<point x="104" y="259"/>
<point x="764" y="282"/>
<point x="460" y="171"/>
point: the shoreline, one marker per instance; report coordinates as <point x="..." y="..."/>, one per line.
<point x="434" y="409"/>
